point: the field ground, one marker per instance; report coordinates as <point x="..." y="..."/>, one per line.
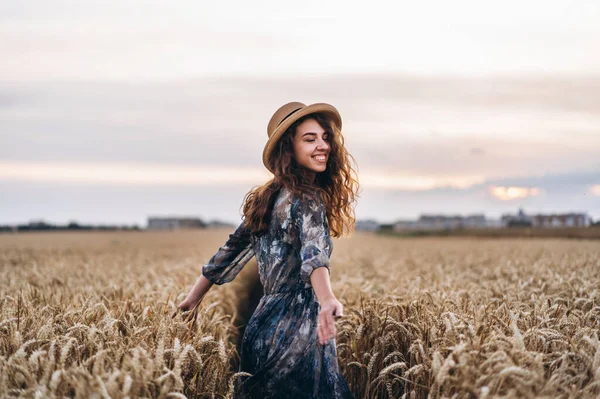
<point x="89" y="314"/>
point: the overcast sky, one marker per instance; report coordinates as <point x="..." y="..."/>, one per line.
<point x="112" y="111"/>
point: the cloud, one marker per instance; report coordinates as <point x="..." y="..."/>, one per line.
<point x="144" y="174"/>
<point x="476" y="151"/>
<point x="550" y="193"/>
<point x="566" y="181"/>
<point x="400" y="126"/>
<point x="512" y="193"/>
<point x="119" y="39"/>
<point x="155" y="174"/>
<point x="102" y="201"/>
<point x="87" y="173"/>
<point x="9" y="100"/>
<point x="417" y="182"/>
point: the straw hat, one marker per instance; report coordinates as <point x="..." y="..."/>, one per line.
<point x="286" y="115"/>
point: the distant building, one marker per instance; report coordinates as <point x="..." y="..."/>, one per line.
<point x="402" y="225"/>
<point x="493" y="223"/>
<point x="438" y="222"/>
<point x="518" y="220"/>
<point x="551" y="220"/>
<point x="475" y="221"/>
<point x="442" y="222"/>
<point x="219" y="224"/>
<point x="367" y="225"/>
<point x="38" y="224"/>
<point x="561" y="220"/>
<point x="478" y="220"/>
<point x="175" y="223"/>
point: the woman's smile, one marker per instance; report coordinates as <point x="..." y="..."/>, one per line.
<point x="320" y="158"/>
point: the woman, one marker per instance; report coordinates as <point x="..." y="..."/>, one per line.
<point x="289" y="342"/>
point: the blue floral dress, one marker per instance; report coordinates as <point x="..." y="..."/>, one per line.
<point x="280" y="347"/>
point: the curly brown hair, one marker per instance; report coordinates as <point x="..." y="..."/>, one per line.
<point x="338" y="184"/>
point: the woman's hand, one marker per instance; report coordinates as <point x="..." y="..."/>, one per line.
<point x="194" y="297"/>
<point x="190" y="303"/>
<point x="331" y="309"/>
<point x="187" y="305"/>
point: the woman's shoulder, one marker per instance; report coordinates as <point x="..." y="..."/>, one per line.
<point x="299" y="198"/>
<point x="296" y="204"/>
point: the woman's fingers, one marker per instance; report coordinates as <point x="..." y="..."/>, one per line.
<point x="321" y="333"/>
<point x="186" y="309"/>
<point x="180" y="308"/>
<point x="331" y="326"/>
<point x="335" y="313"/>
<point x="326" y="327"/>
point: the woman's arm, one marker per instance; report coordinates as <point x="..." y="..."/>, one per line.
<point x="330" y="306"/>
<point x="231" y="258"/>
<point x="310" y="218"/>
<point x="222" y="267"/>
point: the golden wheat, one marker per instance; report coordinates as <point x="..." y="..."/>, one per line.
<point x="90" y="315"/>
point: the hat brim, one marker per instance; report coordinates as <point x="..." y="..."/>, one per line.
<point x="280" y="130"/>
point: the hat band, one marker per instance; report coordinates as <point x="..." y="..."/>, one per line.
<point x="288" y="115"/>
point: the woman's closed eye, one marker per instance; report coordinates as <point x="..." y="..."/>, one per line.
<point x="326" y="138"/>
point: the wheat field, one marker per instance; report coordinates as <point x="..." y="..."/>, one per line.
<point x="89" y="315"/>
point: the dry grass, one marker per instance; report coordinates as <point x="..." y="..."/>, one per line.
<point x="89" y="315"/>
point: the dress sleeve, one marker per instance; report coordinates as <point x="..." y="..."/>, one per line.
<point x="310" y="218"/>
<point x="231" y="258"/>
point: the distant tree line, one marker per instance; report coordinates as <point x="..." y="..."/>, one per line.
<point x="71" y="226"/>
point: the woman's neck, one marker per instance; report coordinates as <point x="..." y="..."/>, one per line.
<point x="308" y="176"/>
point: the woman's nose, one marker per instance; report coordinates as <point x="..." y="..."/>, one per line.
<point x="323" y="144"/>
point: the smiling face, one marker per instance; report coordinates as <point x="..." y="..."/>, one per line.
<point x="311" y="146"/>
